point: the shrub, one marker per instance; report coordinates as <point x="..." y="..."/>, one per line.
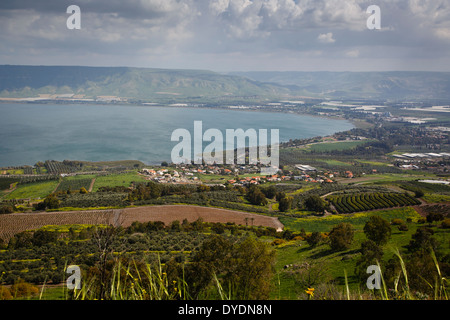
<point x="397" y="222"/>
<point x="277" y="242"/>
<point x="314" y="239"/>
<point x="445" y="224"/>
<point x="377" y="229"/>
<point x="23" y="289"/>
<point x="341" y="237"/>
<point x="5" y="294"/>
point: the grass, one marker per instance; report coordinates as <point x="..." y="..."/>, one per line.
<point x="339" y="267"/>
<point x="433" y="198"/>
<point x="324" y="224"/>
<point x="335" y="146"/>
<point x="33" y="190"/>
<point x="114" y="180"/>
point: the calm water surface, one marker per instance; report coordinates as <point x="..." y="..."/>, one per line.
<point x="39" y="132"/>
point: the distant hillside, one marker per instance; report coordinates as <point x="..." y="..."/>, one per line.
<point x="197" y="86"/>
<point x="131" y="83"/>
<point x="356" y="85"/>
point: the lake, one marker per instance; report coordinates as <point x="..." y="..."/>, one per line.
<point x="37" y="132"/>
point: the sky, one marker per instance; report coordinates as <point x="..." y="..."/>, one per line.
<point x="229" y="35"/>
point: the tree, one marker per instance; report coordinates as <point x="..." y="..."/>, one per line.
<point x="314" y="239"/>
<point x="371" y="253"/>
<point x="270" y="192"/>
<point x="50" y="202"/>
<point x="41" y="237"/>
<point x="315" y="203"/>
<point x="418" y="193"/>
<point x="256" y="197"/>
<point x="422" y="240"/>
<point x="244" y="268"/>
<point x="378" y="230"/>
<point x="341" y="237"/>
<point x="285" y="204"/>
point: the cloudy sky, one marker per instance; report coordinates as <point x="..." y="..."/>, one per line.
<point x="229" y="35"/>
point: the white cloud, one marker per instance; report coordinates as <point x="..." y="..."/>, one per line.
<point x="352" y="53"/>
<point x="326" y="38"/>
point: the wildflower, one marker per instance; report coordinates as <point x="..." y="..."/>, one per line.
<point x="310" y="292"/>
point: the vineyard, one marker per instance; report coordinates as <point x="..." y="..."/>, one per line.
<point x="74" y="184"/>
<point x="56" y="167"/>
<point x="370" y="201"/>
<point x="18" y="222"/>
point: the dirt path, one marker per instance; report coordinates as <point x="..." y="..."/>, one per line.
<point x="92" y="185"/>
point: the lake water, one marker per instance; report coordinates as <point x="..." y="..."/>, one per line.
<point x="37" y="132"/>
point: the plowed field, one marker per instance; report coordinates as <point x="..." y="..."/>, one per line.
<point x="11" y="224"/>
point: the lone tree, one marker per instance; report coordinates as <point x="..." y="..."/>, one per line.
<point x="371" y="254"/>
<point x="341" y="237"/>
<point x="285" y="204"/>
<point x="378" y="230"/>
<point x="315" y="203"/>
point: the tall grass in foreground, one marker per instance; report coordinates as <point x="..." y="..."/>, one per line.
<point x="401" y="289"/>
<point x="133" y="281"/>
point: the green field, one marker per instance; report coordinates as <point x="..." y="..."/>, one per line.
<point x="33" y="190"/>
<point x="335" y="146"/>
<point x="113" y="180"/>
<point x="334" y="265"/>
<point x="324" y="224"/>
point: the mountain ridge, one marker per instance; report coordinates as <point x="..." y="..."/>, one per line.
<point x="189" y="85"/>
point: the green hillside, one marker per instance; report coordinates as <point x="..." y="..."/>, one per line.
<point x="130" y="83"/>
<point x="361" y="85"/>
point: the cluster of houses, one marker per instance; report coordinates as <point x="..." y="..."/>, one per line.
<point x="190" y="174"/>
<point x="164" y="176"/>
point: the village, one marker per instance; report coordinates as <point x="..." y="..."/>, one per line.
<point x="242" y="175"/>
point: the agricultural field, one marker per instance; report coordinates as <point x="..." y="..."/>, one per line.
<point x="168" y="213"/>
<point x="75" y="183"/>
<point x="334" y="146"/>
<point x="36" y="190"/>
<point x="325" y="223"/>
<point x="18" y="222"/>
<point x="370" y="201"/>
<point x="114" y="180"/>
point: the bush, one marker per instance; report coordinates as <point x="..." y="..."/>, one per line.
<point x="397" y="222"/>
<point x="6" y="209"/>
<point x="434" y="216"/>
<point x="341" y="237"/>
<point x="445" y="224"/>
<point x="377" y="229"/>
<point x="23" y="289"/>
<point x="314" y="239"/>
<point x="277" y="242"/>
<point x="5" y="294"/>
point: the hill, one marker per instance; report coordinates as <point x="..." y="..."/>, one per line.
<point x="156" y="85"/>
<point x="203" y="86"/>
<point x="361" y="85"/>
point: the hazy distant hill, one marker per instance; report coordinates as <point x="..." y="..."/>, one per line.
<point x="166" y="85"/>
<point x="369" y="85"/>
<point x="137" y="83"/>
